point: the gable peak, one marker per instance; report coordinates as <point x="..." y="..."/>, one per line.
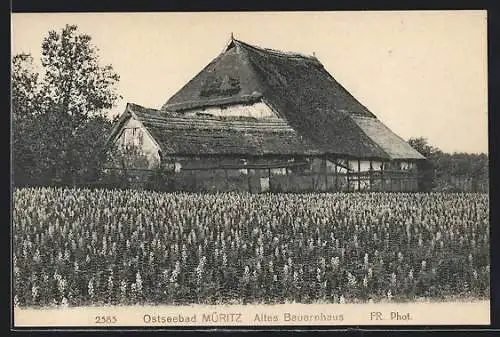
<point x="230" y="44"/>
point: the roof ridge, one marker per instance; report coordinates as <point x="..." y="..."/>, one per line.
<point x="172" y="115"/>
<point x="277" y="52"/>
<point x="208" y="117"/>
<point x="186" y="105"/>
<point x="231" y="129"/>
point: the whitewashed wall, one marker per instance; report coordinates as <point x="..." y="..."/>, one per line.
<point x="133" y="133"/>
<point x="340" y="169"/>
<point x="256" y="110"/>
<point x="353" y="164"/>
<point x="364" y="165"/>
<point x="377" y="165"/>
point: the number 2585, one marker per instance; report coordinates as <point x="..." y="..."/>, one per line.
<point x="105" y="319"/>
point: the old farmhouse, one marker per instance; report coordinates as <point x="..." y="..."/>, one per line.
<point x="259" y="119"/>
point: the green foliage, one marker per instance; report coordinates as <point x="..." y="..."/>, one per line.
<point x="58" y="115"/>
<point x="451" y="171"/>
<point x="25" y="105"/>
<point x="77" y="85"/>
<point x="25" y="96"/>
<point x="421" y="145"/>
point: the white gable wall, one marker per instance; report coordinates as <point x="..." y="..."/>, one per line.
<point x="256" y="110"/>
<point x="133" y="133"/>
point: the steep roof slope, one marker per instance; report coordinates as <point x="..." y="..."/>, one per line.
<point x="391" y="143"/>
<point x="302" y="92"/>
<point x="227" y="79"/>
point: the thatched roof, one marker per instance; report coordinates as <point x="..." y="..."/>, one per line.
<point x="181" y="135"/>
<point x="301" y="91"/>
<point x="390" y="143"/>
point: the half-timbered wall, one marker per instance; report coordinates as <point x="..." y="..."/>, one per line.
<point x="133" y="134"/>
<point x="320" y="174"/>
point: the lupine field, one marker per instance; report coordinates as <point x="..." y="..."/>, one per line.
<point x="97" y="247"/>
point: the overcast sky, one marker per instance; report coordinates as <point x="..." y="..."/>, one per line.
<point x="422" y="73"/>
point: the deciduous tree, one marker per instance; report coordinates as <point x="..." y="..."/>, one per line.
<point x="59" y="114"/>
